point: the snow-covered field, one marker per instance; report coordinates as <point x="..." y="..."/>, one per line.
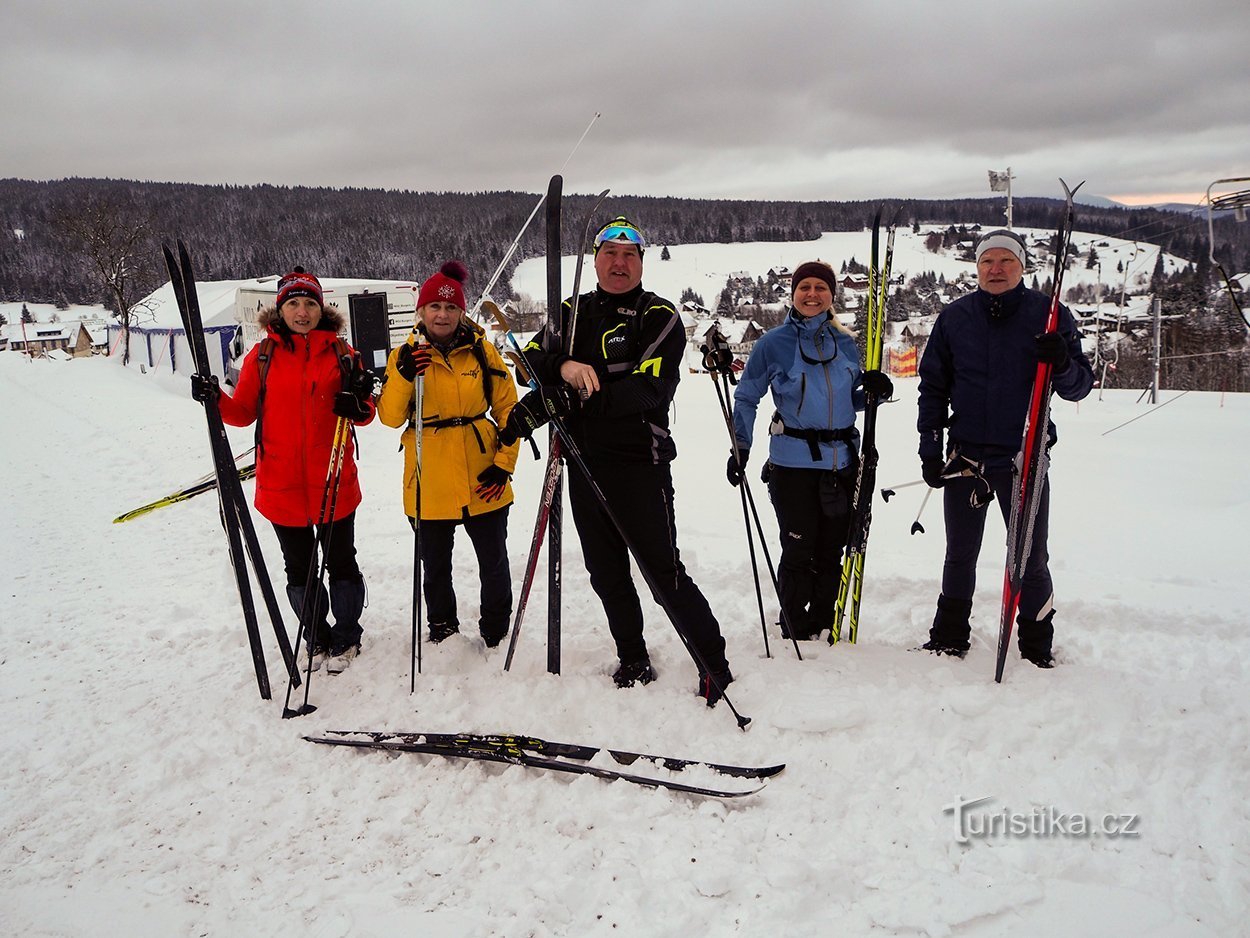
<point x="146" y="789"/>
<point x="704" y="267"/>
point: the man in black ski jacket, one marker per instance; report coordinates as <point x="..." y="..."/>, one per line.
<point x="613" y="391"/>
<point x="976" y="377"/>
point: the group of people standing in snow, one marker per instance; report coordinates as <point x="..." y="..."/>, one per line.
<point x="451" y="391"/>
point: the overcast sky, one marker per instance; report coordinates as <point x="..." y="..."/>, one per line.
<point x="1145" y="99"/>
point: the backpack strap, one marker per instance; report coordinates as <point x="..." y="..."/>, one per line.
<point x="263" y="359"/>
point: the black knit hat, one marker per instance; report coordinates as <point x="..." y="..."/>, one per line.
<point x="818" y="269"/>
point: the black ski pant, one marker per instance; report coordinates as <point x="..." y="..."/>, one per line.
<point x="813" y="509"/>
<point x="641" y="498"/>
<point x="965" y="525"/>
<point x="489" y="535"/>
<point x="337" y="542"/>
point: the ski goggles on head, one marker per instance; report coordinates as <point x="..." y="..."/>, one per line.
<point x="621" y="231"/>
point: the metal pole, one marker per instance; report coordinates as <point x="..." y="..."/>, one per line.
<point x="1008" y="196"/>
<point x="1154" y="384"/>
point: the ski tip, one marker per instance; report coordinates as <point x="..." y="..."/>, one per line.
<point x="288" y="713"/>
<point x="1070" y="191"/>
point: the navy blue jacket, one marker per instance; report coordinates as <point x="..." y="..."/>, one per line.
<point x="813" y="371"/>
<point x="976" y="374"/>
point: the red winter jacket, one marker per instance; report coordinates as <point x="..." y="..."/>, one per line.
<point x="297" y="428"/>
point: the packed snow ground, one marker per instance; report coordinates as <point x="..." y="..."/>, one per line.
<point x="148" y="791"/>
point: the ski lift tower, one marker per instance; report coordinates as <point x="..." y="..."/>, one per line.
<point x="1236" y="202"/>
<point x="1001" y="182"/>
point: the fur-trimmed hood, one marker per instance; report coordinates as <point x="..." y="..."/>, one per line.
<point x="331" y="319"/>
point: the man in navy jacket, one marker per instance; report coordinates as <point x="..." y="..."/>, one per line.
<point x="976" y="378"/>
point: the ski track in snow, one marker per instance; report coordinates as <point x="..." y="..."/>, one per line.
<point x="147" y="787"/>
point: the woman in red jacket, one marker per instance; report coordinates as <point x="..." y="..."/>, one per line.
<point x="295" y="384"/>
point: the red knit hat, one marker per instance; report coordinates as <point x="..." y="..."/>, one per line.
<point x="299" y="283"/>
<point x="446" y="286"/>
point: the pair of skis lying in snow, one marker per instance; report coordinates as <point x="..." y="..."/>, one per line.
<point x="537" y="753"/>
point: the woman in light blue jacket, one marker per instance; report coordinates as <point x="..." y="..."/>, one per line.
<point x="811" y="365"/>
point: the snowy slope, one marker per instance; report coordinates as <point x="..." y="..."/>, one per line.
<point x="148" y="791"/>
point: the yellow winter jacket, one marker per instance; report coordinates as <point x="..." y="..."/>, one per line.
<point x="452" y="455"/>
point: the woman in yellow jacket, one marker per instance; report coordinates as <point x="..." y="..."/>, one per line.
<point x="465" y="478"/>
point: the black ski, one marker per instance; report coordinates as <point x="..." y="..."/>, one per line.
<point x="555" y="513"/>
<point x="561" y="750"/>
<point x="235" y="517"/>
<point x="516" y="756"/>
<point x="554" y="474"/>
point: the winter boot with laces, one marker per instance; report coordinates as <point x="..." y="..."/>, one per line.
<point x="634" y="672"/>
<point x="440" y="631"/>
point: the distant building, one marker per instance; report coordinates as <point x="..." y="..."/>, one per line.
<point x="37" y="339"/>
<point x="741" y="334"/>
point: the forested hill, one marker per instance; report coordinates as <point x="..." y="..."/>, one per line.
<point x="247" y="231"/>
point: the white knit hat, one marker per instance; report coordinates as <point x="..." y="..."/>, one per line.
<point x="1007" y="240"/>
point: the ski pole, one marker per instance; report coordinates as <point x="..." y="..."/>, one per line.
<point x="419" y="429"/>
<point x="721" y="396"/>
<point x="507" y="256"/>
<point x="719" y="344"/>
<point x="308" y="608"/>
<point x="886" y="493"/>
<point x="916" y="526"/>
<point x="720" y="382"/>
<point x="574" y="455"/>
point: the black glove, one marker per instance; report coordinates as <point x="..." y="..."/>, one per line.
<point x="360" y="381"/>
<point x="347" y="404"/>
<point x="535" y="409"/>
<point x="878" y="384"/>
<point x="204" y="389"/>
<point x="932" y="470"/>
<point x="737" y="465"/>
<point x="411" y="362"/>
<point x="1052" y="349"/>
<point x="493" y="480"/>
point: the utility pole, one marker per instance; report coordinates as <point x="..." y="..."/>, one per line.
<point x="1001" y="182"/>
<point x="1154" y="383"/>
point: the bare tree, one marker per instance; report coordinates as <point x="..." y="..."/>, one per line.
<point x="115" y="237"/>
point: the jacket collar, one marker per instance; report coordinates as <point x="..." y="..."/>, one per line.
<point x="1004" y="304"/>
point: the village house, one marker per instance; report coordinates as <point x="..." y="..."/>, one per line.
<point x="37" y="339"/>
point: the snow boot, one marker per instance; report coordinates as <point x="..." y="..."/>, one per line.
<point x="712" y="687"/>
<point x="492" y="638"/>
<point x="440" y="631"/>
<point x="341" y="657"/>
<point x="347" y="602"/>
<point x="1035" y="637"/>
<point x="634" y="672"/>
<point x="950" y="632"/>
